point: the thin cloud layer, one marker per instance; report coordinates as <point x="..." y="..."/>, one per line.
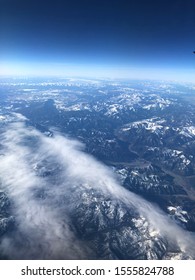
<point x="37" y="171"/>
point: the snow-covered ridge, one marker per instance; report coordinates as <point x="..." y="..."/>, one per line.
<point x="76" y="107"/>
<point x="178" y="213"/>
<point x="188" y="131"/>
<point x="152" y="125"/>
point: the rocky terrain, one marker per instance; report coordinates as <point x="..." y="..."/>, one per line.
<point x="143" y="131"/>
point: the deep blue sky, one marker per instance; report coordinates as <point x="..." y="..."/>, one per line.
<point x="149" y="36"/>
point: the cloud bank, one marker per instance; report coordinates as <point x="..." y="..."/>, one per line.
<point x="38" y="174"/>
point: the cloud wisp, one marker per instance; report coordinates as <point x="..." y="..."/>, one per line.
<point x="41" y="231"/>
<point x="43" y="226"/>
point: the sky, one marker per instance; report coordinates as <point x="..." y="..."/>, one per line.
<point x="120" y="38"/>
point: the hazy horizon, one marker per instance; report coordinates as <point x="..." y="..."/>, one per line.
<point x="128" y="39"/>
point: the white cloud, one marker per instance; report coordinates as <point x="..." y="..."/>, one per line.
<point x="45" y="232"/>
